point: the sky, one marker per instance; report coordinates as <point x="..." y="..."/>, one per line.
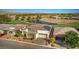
<point x="42" y="10"/>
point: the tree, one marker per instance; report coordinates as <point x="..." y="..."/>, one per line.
<point x="4" y="19"/>
<point x="29" y="19"/>
<point x="72" y="39"/>
<point x="52" y="41"/>
<point x="17" y="18"/>
<point x="23" y="18"/>
<point x="18" y="33"/>
<point x="38" y="18"/>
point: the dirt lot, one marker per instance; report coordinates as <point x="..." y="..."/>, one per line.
<point x="60" y="21"/>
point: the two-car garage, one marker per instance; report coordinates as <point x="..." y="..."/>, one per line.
<point x="42" y="34"/>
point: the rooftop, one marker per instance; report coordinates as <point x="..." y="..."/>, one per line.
<point x="63" y="30"/>
<point x="40" y="27"/>
<point x="33" y="27"/>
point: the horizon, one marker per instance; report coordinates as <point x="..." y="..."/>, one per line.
<point x="41" y="10"/>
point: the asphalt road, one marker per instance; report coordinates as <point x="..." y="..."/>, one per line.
<point x="8" y="44"/>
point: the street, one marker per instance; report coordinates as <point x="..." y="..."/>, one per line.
<point x="8" y="44"/>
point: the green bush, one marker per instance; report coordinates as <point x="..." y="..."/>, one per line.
<point x="72" y="39"/>
<point x="18" y="33"/>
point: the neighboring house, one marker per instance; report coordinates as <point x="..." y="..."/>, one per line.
<point x="59" y="33"/>
<point x="11" y="29"/>
<point x="63" y="30"/>
<point x="4" y="27"/>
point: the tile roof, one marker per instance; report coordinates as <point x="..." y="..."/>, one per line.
<point x="31" y="28"/>
<point x="63" y="30"/>
<point x="40" y="27"/>
<point x="10" y="26"/>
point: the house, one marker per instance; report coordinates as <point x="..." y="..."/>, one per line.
<point x="59" y="33"/>
<point x="63" y="30"/>
<point x="10" y="28"/>
<point x="4" y="27"/>
<point x="38" y="31"/>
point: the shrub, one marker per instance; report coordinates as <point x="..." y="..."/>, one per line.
<point x="72" y="39"/>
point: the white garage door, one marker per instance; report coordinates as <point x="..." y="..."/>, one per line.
<point x="42" y="35"/>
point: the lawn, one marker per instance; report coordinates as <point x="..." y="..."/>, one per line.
<point x="19" y="22"/>
<point x="73" y="24"/>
